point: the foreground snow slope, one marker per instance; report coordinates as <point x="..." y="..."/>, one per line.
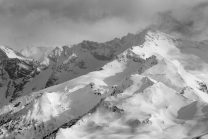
<point x="139" y="86"/>
<point x="154" y="111"/>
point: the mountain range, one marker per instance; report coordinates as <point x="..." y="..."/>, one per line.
<point x="146" y="85"/>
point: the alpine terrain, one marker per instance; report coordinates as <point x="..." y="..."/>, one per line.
<point x="149" y="85"/>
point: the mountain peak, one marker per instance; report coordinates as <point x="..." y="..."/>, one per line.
<point x="7" y="52"/>
<point x="35" y="52"/>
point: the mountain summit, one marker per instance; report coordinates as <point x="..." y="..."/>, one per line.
<point x="145" y="85"/>
<point x="7" y="52"/>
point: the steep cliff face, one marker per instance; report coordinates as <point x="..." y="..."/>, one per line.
<point x="16" y="70"/>
<point x="15" y="74"/>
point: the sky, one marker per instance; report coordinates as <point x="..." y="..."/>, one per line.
<point x="66" y="22"/>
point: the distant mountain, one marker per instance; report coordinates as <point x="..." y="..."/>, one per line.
<point x="146" y="85"/>
<point x="36" y="53"/>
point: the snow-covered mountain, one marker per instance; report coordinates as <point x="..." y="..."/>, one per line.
<point x="7" y="52"/>
<point x="147" y="85"/>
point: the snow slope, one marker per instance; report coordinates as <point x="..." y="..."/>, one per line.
<point x="155" y="112"/>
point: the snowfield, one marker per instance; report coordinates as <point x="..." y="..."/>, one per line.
<point x="143" y="86"/>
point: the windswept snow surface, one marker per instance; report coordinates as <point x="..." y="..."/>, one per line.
<point x="139" y="86"/>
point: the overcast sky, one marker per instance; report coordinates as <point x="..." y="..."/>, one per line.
<point x="61" y="22"/>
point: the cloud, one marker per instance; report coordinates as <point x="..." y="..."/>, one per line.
<point x="190" y="23"/>
<point x="60" y="22"/>
<point x="76" y="10"/>
<point x="52" y="22"/>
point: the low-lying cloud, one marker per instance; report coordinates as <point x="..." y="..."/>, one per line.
<point x="60" y="22"/>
